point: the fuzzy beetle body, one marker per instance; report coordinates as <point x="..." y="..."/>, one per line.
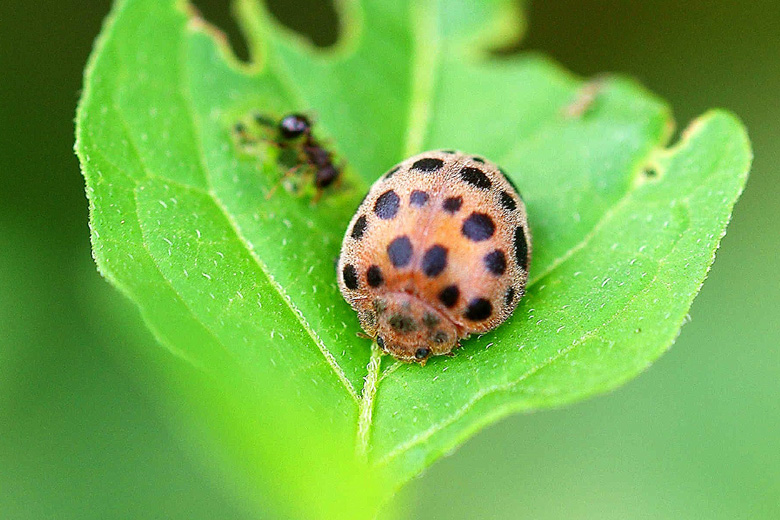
<point x="439" y="249"/>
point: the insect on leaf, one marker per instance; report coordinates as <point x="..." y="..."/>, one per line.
<point x="241" y="287"/>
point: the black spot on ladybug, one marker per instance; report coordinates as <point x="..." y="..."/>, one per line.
<point x="359" y="228"/>
<point x="386" y="205"/>
<point x="430" y="320"/>
<point x="510" y="296"/>
<point x="508" y="201"/>
<point x="418" y="198"/>
<point x="495" y="261"/>
<point x="478" y="227"/>
<point x="480" y="160"/>
<point x="521" y="248"/>
<point x="374" y="276"/>
<point x="400" y="251"/>
<point x="449" y="296"/>
<point x="475" y="177"/>
<point x="402" y="323"/>
<point x="422" y="353"/>
<point x="440" y="337"/>
<point x="392" y="172"/>
<point x="452" y="204"/>
<point x="434" y="261"/>
<point x="380" y="342"/>
<point x="479" y="309"/>
<point x="350" y="276"/>
<point x="427" y="164"/>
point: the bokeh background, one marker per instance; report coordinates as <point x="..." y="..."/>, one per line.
<point x="82" y="434"/>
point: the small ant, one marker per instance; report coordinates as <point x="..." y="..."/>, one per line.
<point x="296" y="130"/>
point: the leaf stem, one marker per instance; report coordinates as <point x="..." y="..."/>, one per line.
<point x="367" y="400"/>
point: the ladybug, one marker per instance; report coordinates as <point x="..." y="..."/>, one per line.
<point x="439" y="249"/>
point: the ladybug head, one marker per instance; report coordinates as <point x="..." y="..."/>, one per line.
<point x="411" y="330"/>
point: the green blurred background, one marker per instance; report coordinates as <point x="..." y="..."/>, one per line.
<point x="82" y="434"/>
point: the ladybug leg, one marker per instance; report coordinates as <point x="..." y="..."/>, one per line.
<point x="452" y="353"/>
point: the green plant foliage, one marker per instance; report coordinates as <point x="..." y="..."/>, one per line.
<point x="242" y="289"/>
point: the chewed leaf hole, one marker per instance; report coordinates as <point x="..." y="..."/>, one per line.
<point x="217" y="13"/>
<point x="316" y="20"/>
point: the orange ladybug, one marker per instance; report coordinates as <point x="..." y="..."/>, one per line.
<point x="439" y="249"/>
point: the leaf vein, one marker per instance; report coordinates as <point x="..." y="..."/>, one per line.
<point x="167" y="282"/>
<point x="367" y="400"/>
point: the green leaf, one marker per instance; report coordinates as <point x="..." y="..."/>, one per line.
<point x="242" y="289"/>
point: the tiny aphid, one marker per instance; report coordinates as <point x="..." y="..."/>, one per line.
<point x="439" y="249"/>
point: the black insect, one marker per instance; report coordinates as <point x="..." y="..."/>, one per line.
<point x="295" y="132"/>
